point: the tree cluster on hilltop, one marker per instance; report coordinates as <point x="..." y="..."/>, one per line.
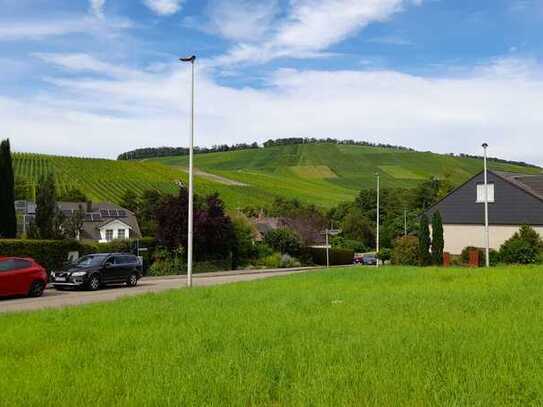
<point x="154" y="152"/>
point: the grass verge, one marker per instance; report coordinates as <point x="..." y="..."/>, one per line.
<point x="397" y="336"/>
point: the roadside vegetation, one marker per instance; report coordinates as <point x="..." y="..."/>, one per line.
<point x="394" y="336"/>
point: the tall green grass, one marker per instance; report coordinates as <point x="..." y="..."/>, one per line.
<point x="358" y="336"/>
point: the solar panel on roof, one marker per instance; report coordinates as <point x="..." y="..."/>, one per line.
<point x="104" y="213"/>
<point x="113" y="213"/>
<point x="122" y="214"/>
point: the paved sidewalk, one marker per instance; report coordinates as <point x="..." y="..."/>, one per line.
<point x="58" y="299"/>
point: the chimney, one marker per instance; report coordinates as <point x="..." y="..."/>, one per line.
<point x="89" y="206"/>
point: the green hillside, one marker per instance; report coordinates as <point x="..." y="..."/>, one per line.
<point x="323" y="174"/>
<point x="107" y="180"/>
<point x="326" y="174"/>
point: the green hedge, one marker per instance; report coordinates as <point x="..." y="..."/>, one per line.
<point x="338" y="257"/>
<point x="52" y="254"/>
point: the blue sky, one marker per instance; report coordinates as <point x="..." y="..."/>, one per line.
<point x="98" y="77"/>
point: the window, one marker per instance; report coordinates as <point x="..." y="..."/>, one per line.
<point x="481" y="193"/>
<point x="14" y="264"/>
<point x="121" y="234"/>
<point x="109" y="235"/>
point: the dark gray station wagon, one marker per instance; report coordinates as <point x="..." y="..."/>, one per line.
<point x="97" y="270"/>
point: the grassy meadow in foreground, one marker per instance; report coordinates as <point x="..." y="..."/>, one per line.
<point x="356" y="336"/>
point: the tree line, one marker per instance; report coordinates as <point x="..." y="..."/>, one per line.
<point x="154" y="152"/>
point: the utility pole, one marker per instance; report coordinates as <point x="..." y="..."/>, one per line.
<point x="191" y="60"/>
<point x="487" y="232"/>
<point x="378" y="216"/>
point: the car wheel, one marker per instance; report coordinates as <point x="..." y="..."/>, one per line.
<point x="132" y="280"/>
<point x="93" y="283"/>
<point x="36" y="289"/>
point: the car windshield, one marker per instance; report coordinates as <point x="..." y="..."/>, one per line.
<point x="89" y="261"/>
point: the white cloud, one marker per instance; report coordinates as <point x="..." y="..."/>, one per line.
<point x="241" y="20"/>
<point x="97" y="8"/>
<point x="86" y="63"/>
<point x="313" y="26"/>
<point x="107" y="116"/>
<point x="164" y="7"/>
<point x="40" y="29"/>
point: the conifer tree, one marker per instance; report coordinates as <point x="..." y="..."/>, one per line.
<point x="425" y="241"/>
<point x="8" y="217"/>
<point x="438" y="242"/>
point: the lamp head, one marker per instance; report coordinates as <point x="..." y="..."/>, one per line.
<point x="190" y="59"/>
<point x="485" y="145"/>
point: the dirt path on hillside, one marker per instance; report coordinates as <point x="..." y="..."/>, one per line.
<point x="215" y="178"/>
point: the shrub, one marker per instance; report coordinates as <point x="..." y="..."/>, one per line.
<point x="262" y="250"/>
<point x="438" y="242"/>
<point x="406" y="251"/>
<point x="284" y="241"/>
<point x="338" y="257"/>
<point x="167" y="267"/>
<point x="272" y="261"/>
<point x="425" y="242"/>
<point x="384" y="255"/>
<point x="524" y="247"/>
<point x="288" y="262"/>
<point x="339" y="242"/>
<point x="518" y="251"/>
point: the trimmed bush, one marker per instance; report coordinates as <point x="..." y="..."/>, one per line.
<point x="51" y="254"/>
<point x="406" y="251"/>
<point x="338" y="257"/>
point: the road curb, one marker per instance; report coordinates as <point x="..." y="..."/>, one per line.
<point x="235" y="273"/>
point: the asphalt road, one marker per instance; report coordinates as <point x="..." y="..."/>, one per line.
<point x="58" y="299"/>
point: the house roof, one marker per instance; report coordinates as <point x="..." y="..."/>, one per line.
<point x="533" y="184"/>
<point x="104" y="224"/>
<point x="96" y="215"/>
<point x="519" y="200"/>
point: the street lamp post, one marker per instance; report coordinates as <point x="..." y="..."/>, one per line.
<point x="330" y="232"/>
<point x="378" y="217"/>
<point x="487" y="232"/>
<point x="191" y="60"/>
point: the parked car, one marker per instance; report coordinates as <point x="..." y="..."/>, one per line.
<point x="370" y="260"/>
<point x="358" y="259"/>
<point x="21" y="276"/>
<point x="365" y="259"/>
<point x="97" y="270"/>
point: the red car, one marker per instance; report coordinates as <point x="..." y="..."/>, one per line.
<point x="21" y="276"/>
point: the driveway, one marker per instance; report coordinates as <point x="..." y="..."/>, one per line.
<point x="58" y="299"/>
